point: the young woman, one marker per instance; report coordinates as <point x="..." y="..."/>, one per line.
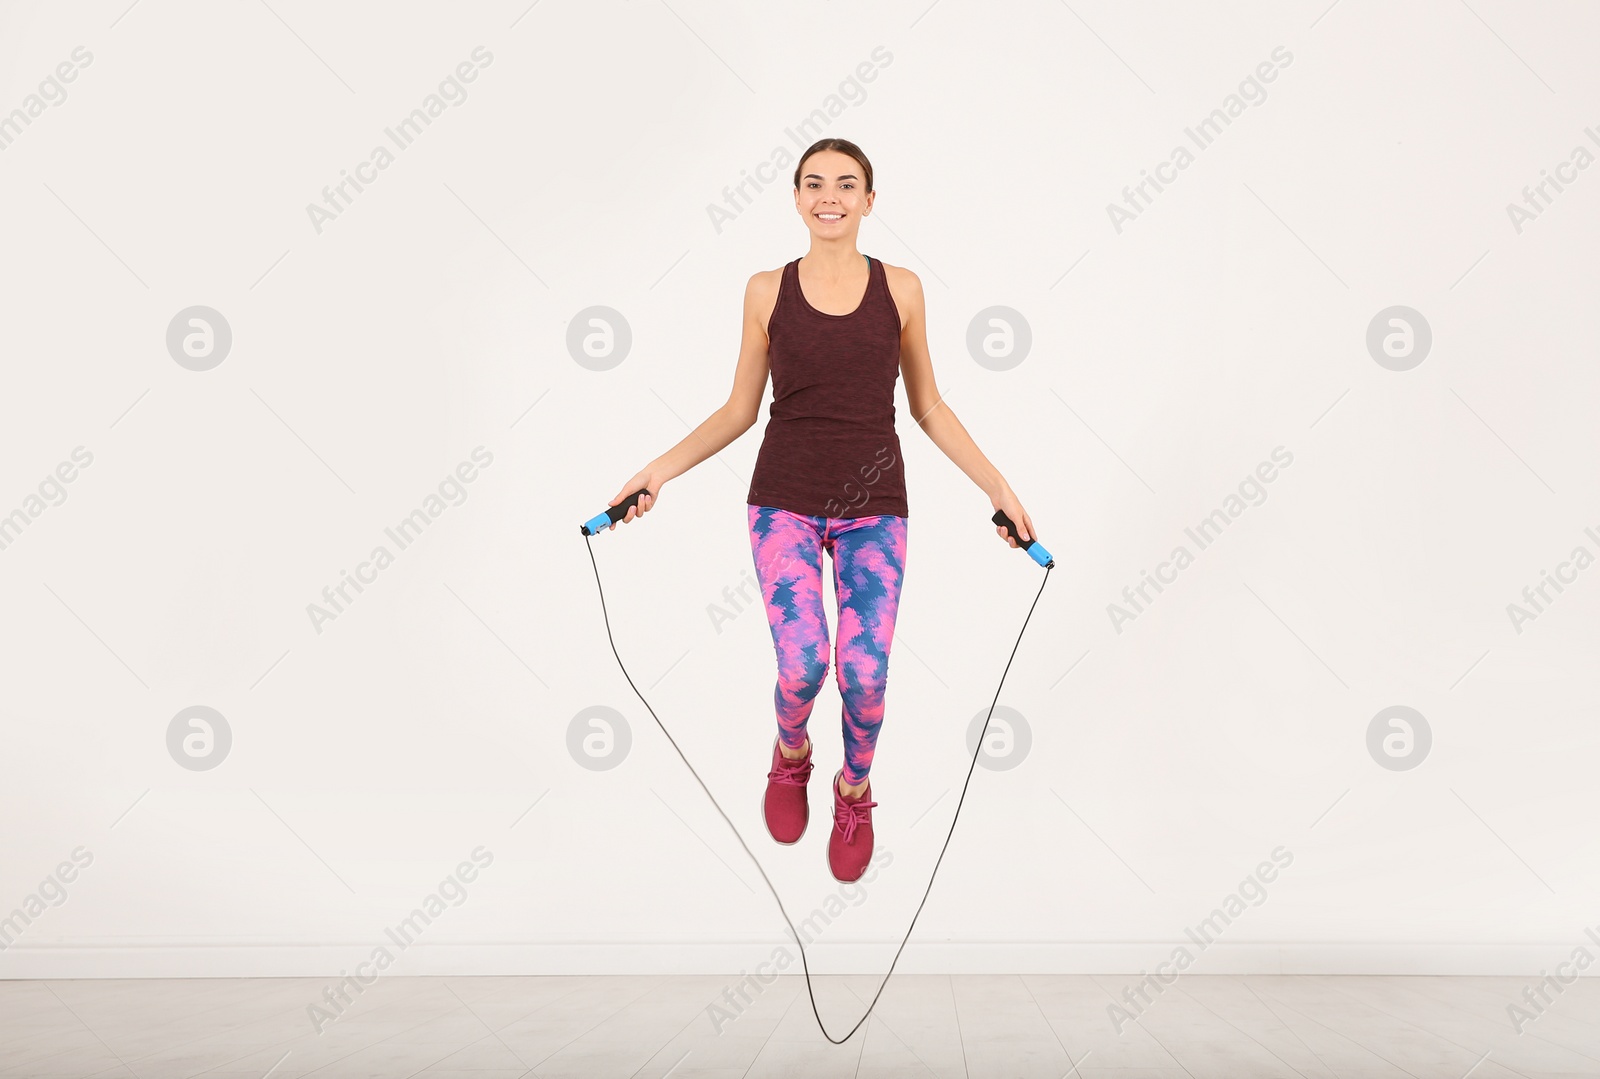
<point x="835" y="328"/>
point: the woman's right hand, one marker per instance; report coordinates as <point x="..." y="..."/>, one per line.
<point x="650" y="479"/>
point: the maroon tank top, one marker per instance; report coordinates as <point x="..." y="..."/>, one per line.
<point x="830" y="448"/>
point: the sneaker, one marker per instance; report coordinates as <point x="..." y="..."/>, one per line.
<point x="850" y="845"/>
<point x="785" y="807"/>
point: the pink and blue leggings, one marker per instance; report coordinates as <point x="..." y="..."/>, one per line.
<point x="869" y="556"/>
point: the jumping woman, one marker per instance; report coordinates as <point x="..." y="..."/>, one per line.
<point x="835" y="329"/>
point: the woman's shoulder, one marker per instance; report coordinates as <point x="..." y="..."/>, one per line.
<point x="761" y="294"/>
<point x="900" y="278"/>
<point x="766" y="281"/>
<point x="905" y="288"/>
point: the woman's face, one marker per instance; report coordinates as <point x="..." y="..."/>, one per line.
<point x="833" y="195"/>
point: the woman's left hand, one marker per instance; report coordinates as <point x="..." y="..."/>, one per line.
<point x="1007" y="502"/>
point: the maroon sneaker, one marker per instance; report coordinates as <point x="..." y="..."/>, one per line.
<point x="850" y="845"/>
<point x="785" y="806"/>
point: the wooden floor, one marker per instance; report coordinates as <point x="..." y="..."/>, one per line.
<point x="924" y="1025"/>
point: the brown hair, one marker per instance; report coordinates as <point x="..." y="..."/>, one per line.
<point x="843" y="146"/>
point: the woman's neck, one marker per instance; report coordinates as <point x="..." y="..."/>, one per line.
<point x="834" y="260"/>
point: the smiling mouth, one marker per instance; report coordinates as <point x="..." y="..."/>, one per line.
<point x="829" y="218"/>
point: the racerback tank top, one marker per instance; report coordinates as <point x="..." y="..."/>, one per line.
<point x="830" y="448"/>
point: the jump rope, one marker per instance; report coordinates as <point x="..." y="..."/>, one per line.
<point x="1035" y="551"/>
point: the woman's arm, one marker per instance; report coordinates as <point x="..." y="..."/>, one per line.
<point x="740" y="412"/>
<point x="733" y="418"/>
<point x="935" y="416"/>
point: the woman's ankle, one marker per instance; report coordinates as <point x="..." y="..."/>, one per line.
<point x="794" y="754"/>
<point x="848" y="791"/>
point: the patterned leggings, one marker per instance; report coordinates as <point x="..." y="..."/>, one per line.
<point x="869" y="556"/>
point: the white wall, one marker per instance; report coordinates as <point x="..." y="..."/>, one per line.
<point x="370" y="756"/>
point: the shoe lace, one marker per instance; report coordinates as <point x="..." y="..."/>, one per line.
<point x="849" y="815"/>
<point x="791" y="770"/>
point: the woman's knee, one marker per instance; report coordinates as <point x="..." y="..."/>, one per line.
<point x="804" y="678"/>
<point x="863" y="687"/>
